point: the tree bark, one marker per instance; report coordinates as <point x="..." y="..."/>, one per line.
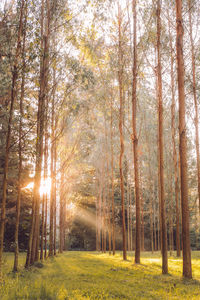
<point x="52" y="194"/>
<point x="18" y="203"/>
<point x="135" y="139"/>
<point x="112" y="177"/>
<point x="120" y="75"/>
<point x="55" y="188"/>
<point x="196" y="123"/>
<point x="161" y="157"/>
<point x="187" y="268"/>
<point x="8" y="137"/>
<point x="175" y="164"/>
<point x="46" y="173"/>
<point x="40" y="130"/>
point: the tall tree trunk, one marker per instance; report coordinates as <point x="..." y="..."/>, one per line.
<point x="104" y="219"/>
<point x="28" y="255"/>
<point x="61" y="211"/>
<point x="99" y="215"/>
<point x="150" y="187"/>
<point x="142" y="221"/>
<point x="45" y="176"/>
<point x="161" y="158"/>
<point x="178" y="252"/>
<point x="171" y="242"/>
<point x="120" y="78"/>
<point x="42" y="229"/>
<point x="8" y="137"/>
<point x="128" y="218"/>
<point x="40" y="130"/>
<point x="18" y="203"/>
<point x="108" y="194"/>
<point x="135" y="138"/>
<point x="187" y="268"/>
<point x="151" y="212"/>
<point x="131" y="220"/>
<point x="195" y="97"/>
<point x="52" y="194"/>
<point x="55" y="194"/>
<point x="154" y="227"/>
<point x="112" y="177"/>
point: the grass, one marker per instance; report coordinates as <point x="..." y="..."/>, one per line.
<point x="92" y="275"/>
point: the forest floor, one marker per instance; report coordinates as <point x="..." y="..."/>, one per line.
<point x="92" y="275"/>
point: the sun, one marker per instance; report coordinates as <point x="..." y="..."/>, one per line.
<point x="45" y="186"/>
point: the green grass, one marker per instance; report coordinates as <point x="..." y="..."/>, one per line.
<point x="91" y="275"/>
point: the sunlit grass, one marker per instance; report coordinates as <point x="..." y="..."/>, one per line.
<point x="91" y="275"/>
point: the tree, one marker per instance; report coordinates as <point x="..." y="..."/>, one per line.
<point x="135" y="138"/>
<point x="8" y="137"/>
<point x="18" y="202"/>
<point x="187" y="269"/>
<point x="196" y="119"/>
<point x="175" y="164"/>
<point x="120" y="79"/>
<point x="160" y="143"/>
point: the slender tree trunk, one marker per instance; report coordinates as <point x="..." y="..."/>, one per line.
<point x="187" y="268"/>
<point x="195" y="97"/>
<point x="55" y="188"/>
<point x="40" y="130"/>
<point x="96" y="219"/>
<point x="174" y="143"/>
<point x="105" y="220"/>
<point x="142" y="223"/>
<point x="171" y="217"/>
<point x="158" y="231"/>
<point x="150" y="188"/>
<point x="45" y="228"/>
<point x="28" y="256"/>
<point x="61" y="211"/>
<point x="42" y="229"/>
<point x="197" y="225"/>
<point x="151" y="222"/>
<point x="43" y="243"/>
<point x="154" y="228"/>
<point x="135" y="139"/>
<point x="8" y="137"/>
<point x="52" y="194"/>
<point x="45" y="176"/>
<point x="99" y="219"/>
<point x="128" y="217"/>
<point x="112" y="177"/>
<point x="161" y="158"/>
<point x="131" y="227"/>
<point x="120" y="75"/>
<point x="18" y="203"/>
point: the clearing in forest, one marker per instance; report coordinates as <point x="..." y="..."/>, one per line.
<point x="92" y="275"/>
